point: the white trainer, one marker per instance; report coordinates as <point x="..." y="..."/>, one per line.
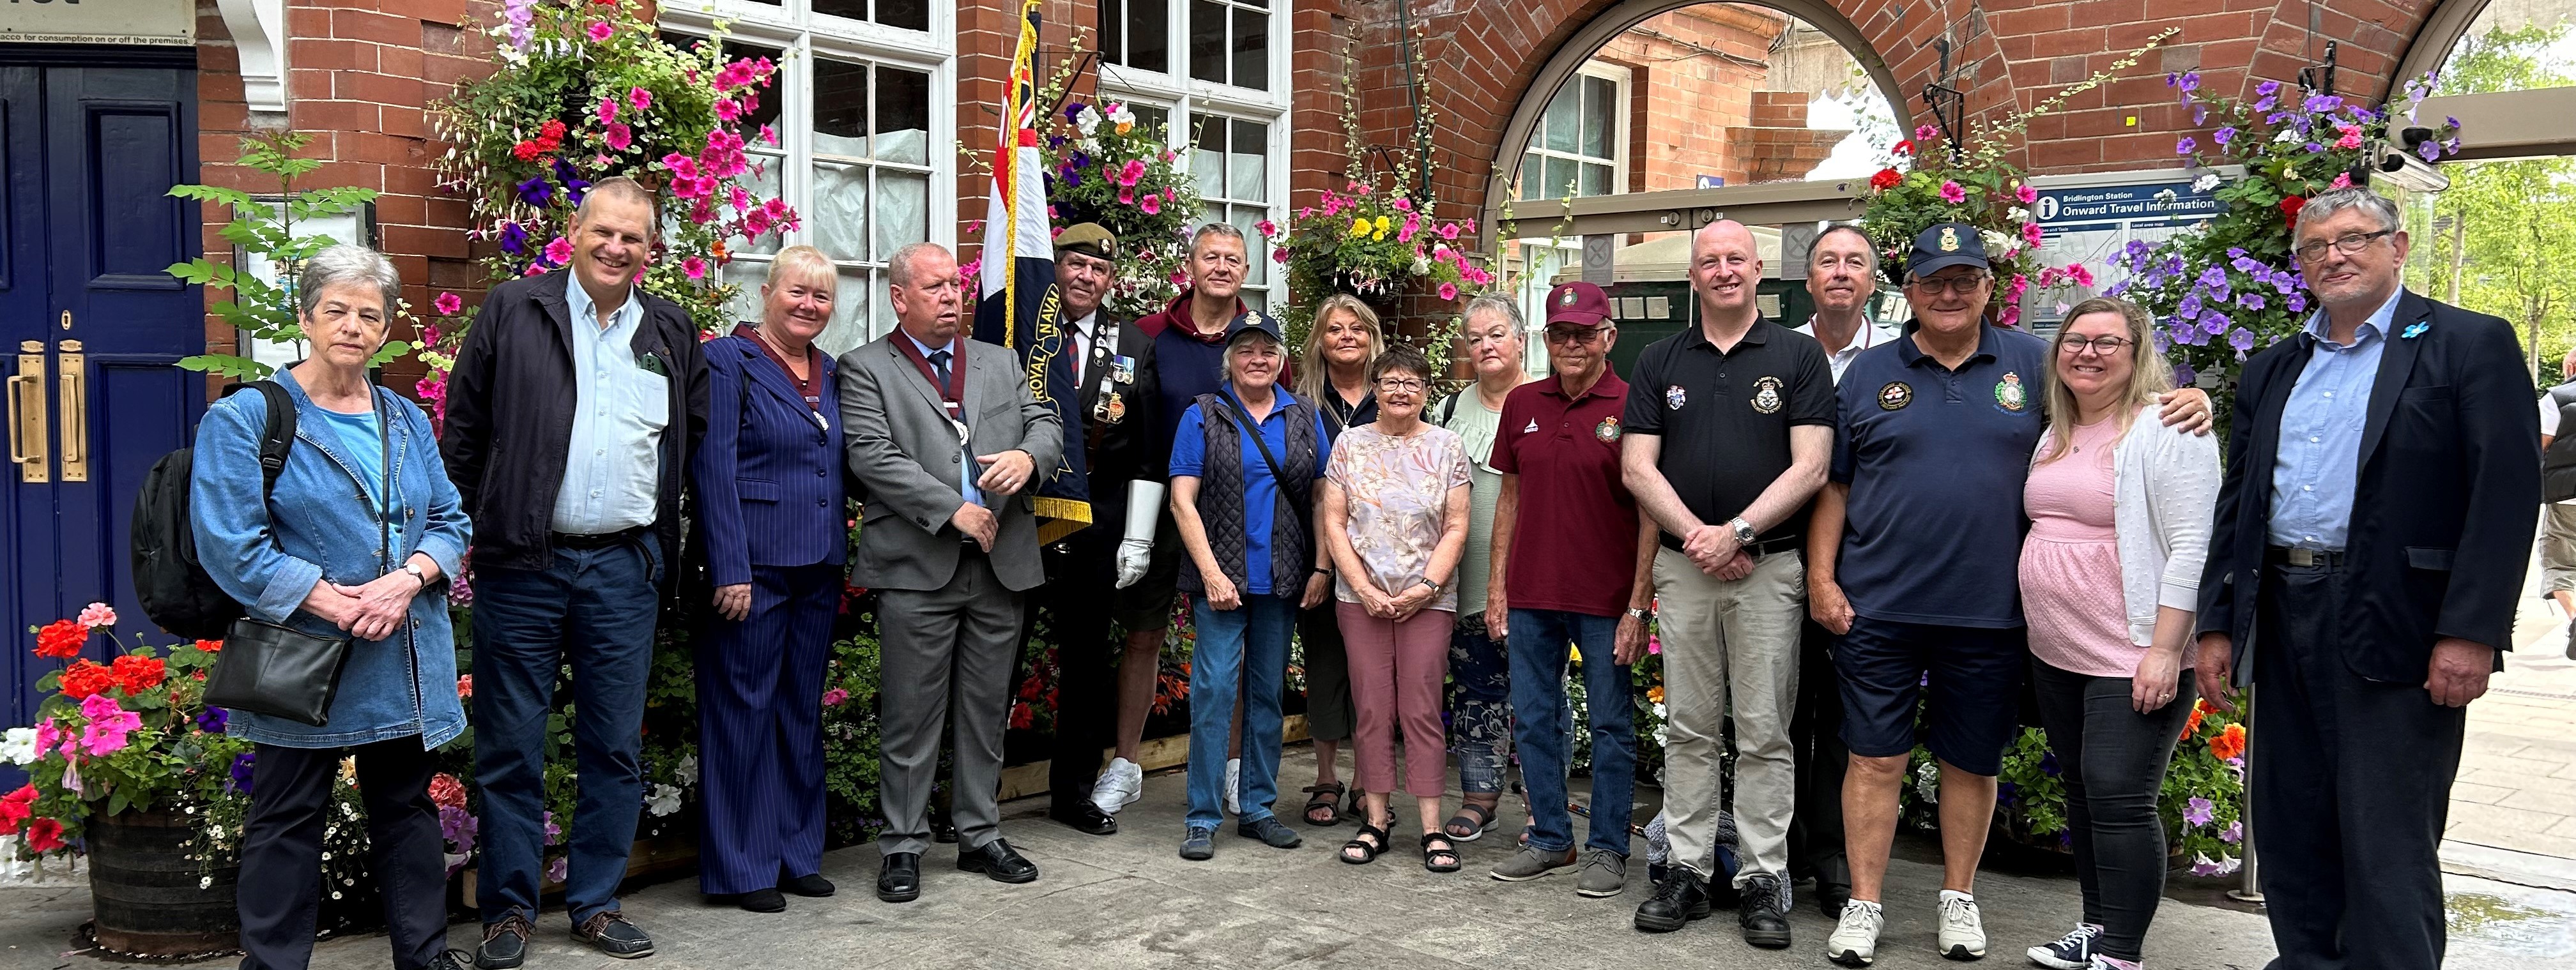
<point x="1234" y="787"/>
<point x="1963" y="931"/>
<point x="1854" y="942"/>
<point x="1120" y="784"/>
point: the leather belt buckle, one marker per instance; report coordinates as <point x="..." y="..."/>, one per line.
<point x="2300" y="556"/>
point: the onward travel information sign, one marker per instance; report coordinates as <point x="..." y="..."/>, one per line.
<point x="159" y="22"/>
<point x="2090" y="219"/>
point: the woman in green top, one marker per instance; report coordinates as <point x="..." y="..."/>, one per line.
<point x="1480" y="698"/>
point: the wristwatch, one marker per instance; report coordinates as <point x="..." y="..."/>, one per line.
<point x="1744" y="534"/>
<point x="416" y="573"/>
<point x="1640" y="615"/>
<point x="1436" y="588"/>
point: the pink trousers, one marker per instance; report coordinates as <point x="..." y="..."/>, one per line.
<point x="1398" y="671"/>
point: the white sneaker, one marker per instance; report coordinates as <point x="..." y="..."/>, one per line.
<point x="1963" y="931"/>
<point x="1120" y="783"/>
<point x="1854" y="942"/>
<point x="1234" y="787"/>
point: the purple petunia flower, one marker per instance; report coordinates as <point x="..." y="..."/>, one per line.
<point x="2191" y="80"/>
<point x="2298" y="303"/>
<point x="536" y="192"/>
<point x="514" y="238"/>
<point x="2186" y="146"/>
<point x="2200" y="115"/>
<point x="2213" y="277"/>
<point x="2189" y="308"/>
<point x="2199" y="811"/>
<point x="2233" y="833"/>
<point x="213" y="719"/>
<point x="2048" y="764"/>
<point x="2241" y="339"/>
<point x="2214" y="323"/>
<point x="2184" y="376"/>
<point x="2004" y="793"/>
<point x="2224" y="135"/>
<point x="2430" y="150"/>
<point x="2267" y="89"/>
<point x="2250" y="300"/>
<point x="241" y="772"/>
<point x="2321" y="103"/>
<point x="2266" y="104"/>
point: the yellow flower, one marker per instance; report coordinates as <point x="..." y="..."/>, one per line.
<point x="1126" y="126"/>
<point x="1381" y="228"/>
<point x="1655" y="694"/>
<point x="1359" y="227"/>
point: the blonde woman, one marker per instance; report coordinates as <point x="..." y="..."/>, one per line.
<point x="1332" y="373"/>
<point x="2110" y="576"/>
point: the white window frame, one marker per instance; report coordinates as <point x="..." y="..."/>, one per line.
<point x="1188" y="98"/>
<point x="805" y="36"/>
<point x="1619" y="78"/>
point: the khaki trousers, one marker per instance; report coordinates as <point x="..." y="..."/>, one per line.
<point x="1730" y="646"/>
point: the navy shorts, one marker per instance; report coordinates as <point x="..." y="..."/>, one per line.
<point x="1973" y="676"/>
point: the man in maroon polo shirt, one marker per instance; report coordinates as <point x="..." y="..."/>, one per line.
<point x="1576" y="566"/>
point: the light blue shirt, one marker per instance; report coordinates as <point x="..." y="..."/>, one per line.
<point x="2319" y="460"/>
<point x="966" y="467"/>
<point x="366" y="449"/>
<point x="612" y="469"/>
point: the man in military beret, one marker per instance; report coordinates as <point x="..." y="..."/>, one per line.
<point x="1113" y="366"/>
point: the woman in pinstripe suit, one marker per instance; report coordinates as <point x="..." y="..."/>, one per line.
<point x="770" y="518"/>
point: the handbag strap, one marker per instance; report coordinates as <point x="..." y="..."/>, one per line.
<point x="1277" y="476"/>
<point x="385" y="495"/>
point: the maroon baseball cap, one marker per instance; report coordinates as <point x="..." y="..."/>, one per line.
<point x="1581" y="304"/>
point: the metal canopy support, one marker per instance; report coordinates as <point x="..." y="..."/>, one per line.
<point x="1769" y="204"/>
<point x="2507" y="124"/>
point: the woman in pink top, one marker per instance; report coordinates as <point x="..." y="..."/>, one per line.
<point x="2119" y="524"/>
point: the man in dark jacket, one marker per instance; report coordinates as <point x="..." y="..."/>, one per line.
<point x="2372" y="531"/>
<point x="571" y="413"/>
<point x="1114" y="369"/>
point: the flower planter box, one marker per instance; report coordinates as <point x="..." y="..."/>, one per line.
<point x="150" y="898"/>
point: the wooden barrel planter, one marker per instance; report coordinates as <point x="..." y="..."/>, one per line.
<point x="144" y="887"/>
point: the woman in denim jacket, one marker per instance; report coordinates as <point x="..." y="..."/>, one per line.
<point x="328" y="554"/>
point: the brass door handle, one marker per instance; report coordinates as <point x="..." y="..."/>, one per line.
<point x="27" y="431"/>
<point x="74" y="391"/>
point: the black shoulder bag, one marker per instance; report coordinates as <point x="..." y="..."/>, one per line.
<point x="268" y="668"/>
<point x="1305" y="515"/>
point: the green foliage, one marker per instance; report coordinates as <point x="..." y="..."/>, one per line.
<point x="166" y="760"/>
<point x="263" y="230"/>
<point x="1104" y="166"/>
<point x="2504" y="232"/>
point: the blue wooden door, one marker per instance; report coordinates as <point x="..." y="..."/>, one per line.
<point x="93" y="329"/>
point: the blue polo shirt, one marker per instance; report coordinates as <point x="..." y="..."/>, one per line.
<point x="1936" y="459"/>
<point x="1260" y="491"/>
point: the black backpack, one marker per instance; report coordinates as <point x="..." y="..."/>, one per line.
<point x="175" y="590"/>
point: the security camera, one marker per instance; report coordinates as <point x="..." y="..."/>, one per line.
<point x="2414" y="136"/>
<point x="2399" y="166"/>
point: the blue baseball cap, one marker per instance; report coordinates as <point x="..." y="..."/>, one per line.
<point x="1946" y="244"/>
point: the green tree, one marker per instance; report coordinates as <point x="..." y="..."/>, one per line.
<point x="2506" y="231"/>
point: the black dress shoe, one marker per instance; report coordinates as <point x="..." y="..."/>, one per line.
<point x="899" y="878"/>
<point x="505" y="943"/>
<point x="812" y="885"/>
<point x="761" y="901"/>
<point x="1833" y="887"/>
<point x="611" y="934"/>
<point x="942" y="832"/>
<point x="997" y="861"/>
<point x="1679" y="899"/>
<point x="1085" y="818"/>
<point x="1763" y="916"/>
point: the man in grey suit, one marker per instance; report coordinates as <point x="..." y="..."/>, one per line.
<point x="946" y="442"/>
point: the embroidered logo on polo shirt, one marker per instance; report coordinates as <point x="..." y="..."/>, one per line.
<point x="1895" y="396"/>
<point x="1607" y="430"/>
<point x="1675" y="397"/>
<point x="1532" y="427"/>
<point x="1766" y="395"/>
<point x="2009" y="395"/>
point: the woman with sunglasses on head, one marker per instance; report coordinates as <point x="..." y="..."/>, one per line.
<point x="2119" y="509"/>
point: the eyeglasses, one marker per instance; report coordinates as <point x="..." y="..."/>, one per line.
<point x="2349" y="244"/>
<point x="2105" y="345"/>
<point x="1405" y="384"/>
<point x="1572" y="336"/>
<point x="1961" y="285"/>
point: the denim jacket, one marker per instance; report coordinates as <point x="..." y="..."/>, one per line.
<point x="313" y="527"/>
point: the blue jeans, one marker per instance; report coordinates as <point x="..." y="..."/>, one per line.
<point x="1545" y="725"/>
<point x="1245" y="646"/>
<point x="1480" y="711"/>
<point x="593" y="608"/>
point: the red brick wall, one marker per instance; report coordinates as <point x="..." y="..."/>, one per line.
<point x="362" y="74"/>
<point x="1684" y="100"/>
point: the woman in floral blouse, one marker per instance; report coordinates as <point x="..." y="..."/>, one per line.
<point x="1396" y="496"/>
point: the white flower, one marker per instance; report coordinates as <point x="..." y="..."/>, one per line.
<point x="20" y="746"/>
<point x="1997" y="242"/>
<point x="2205" y="182"/>
<point x="1421" y="265"/>
<point x="205" y="881"/>
<point x="1927" y="784"/>
<point x="1119" y="114"/>
<point x="664" y="800"/>
<point x="2287" y="136"/>
<point x="687" y="769"/>
<point x="2020" y="214"/>
<point x="1086" y="121"/>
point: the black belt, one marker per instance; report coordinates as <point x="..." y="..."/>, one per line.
<point x="2281" y="556"/>
<point x="1757" y="549"/>
<point x="600" y="540"/>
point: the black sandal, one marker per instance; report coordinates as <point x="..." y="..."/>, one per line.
<point x="1370" y="849"/>
<point x="1341" y="793"/>
<point x="1429" y="854"/>
<point x="1475" y="827"/>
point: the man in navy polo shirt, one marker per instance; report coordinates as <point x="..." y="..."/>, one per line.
<point x="1573" y="563"/>
<point x="1933" y="441"/>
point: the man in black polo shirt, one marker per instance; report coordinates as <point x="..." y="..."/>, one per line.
<point x="1748" y="409"/>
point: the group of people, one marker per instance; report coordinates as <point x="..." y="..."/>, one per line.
<point x="1843" y="537"/>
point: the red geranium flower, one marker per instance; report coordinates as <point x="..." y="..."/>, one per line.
<point x="44" y="835"/>
<point x="84" y="678"/>
<point x="1887" y="178"/>
<point x="139" y="674"/>
<point x="1905" y="147"/>
<point x="15" y="808"/>
<point x="2290" y="206"/>
<point x="527" y="151"/>
<point x="60" y="639"/>
<point x="211" y="646"/>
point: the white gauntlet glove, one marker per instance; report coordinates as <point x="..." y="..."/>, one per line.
<point x="1136" y="550"/>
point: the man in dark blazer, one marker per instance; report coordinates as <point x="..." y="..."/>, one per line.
<point x="1114" y="370"/>
<point x="572" y="412"/>
<point x="2383" y="479"/>
<point x="947" y="442"/>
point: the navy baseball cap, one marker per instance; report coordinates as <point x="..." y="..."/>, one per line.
<point x="1946" y="244"/>
<point x="1252" y="322"/>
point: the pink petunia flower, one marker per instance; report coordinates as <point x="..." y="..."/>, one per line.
<point x="2026" y="194"/>
<point x="559" y="252"/>
<point x="1127" y="195"/>
<point x="2030" y="233"/>
<point x="1952" y="193"/>
<point x="1152" y="204"/>
<point x="1131" y="173"/>
<point x="769" y="135"/>
<point x="97" y="616"/>
<point x="607" y="109"/>
<point x="727" y="109"/>
<point x="638" y="98"/>
<point x="447" y="305"/>
<point x="835" y="697"/>
<point x="618" y="135"/>
<point x="694" y="268"/>
<point x="109" y="723"/>
<point x="600" y="31"/>
<point x="1449" y="232"/>
<point x="2342" y="180"/>
<point x="1448" y="291"/>
<point x="1279" y="254"/>
<point x="1925" y="132"/>
<point x="1267" y="227"/>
